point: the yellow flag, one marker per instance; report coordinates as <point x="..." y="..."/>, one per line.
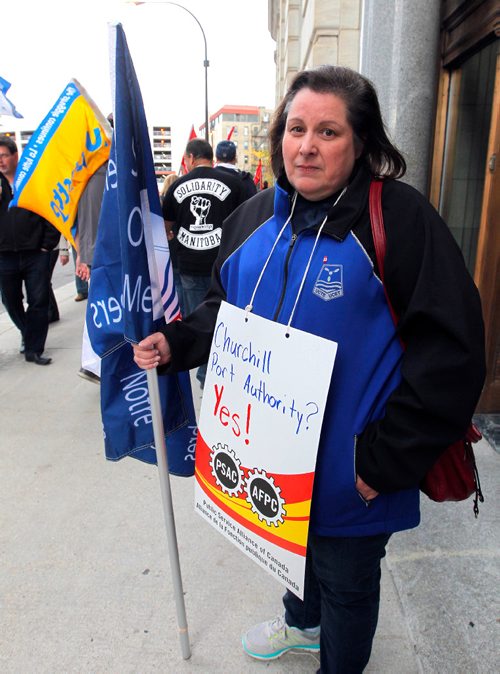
<point x="68" y="147"/>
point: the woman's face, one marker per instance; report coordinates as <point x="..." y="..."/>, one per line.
<point x="318" y="145"/>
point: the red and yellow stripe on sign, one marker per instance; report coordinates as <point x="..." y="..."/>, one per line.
<point x="295" y="492"/>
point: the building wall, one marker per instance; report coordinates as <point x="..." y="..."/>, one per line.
<point x="161" y="145"/>
<point x="400" y="55"/>
<point x="250" y="133"/>
<point x="309" y="33"/>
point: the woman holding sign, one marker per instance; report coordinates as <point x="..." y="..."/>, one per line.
<point x="304" y="249"/>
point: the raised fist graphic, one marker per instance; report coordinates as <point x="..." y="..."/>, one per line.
<point x="199" y="207"/>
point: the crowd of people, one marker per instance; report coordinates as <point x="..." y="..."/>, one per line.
<point x="30" y="246"/>
<point x="402" y="391"/>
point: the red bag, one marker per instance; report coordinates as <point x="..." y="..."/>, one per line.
<point x="454" y="476"/>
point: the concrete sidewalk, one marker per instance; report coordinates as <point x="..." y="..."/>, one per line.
<point x="85" y="583"/>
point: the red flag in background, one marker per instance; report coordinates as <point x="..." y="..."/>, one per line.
<point x="230" y="133"/>
<point x="258" y="175"/>
<point x="183" y="168"/>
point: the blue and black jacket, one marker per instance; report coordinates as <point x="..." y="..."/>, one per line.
<point x="390" y="411"/>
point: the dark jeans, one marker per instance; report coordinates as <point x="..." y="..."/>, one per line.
<point x="178" y="288"/>
<point x="32" y="267"/>
<point x="53" y="308"/>
<point x="194" y="289"/>
<point x="342" y="594"/>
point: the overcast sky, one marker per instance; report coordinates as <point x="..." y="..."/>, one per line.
<point x="47" y="43"/>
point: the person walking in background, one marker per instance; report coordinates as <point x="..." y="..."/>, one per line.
<point x="225" y="154"/>
<point x="194" y="210"/>
<point x="26" y="242"/>
<point x="82" y="288"/>
<point x="391" y="411"/>
<point x="87" y="218"/>
<point x="55" y="254"/>
<point x="168" y="180"/>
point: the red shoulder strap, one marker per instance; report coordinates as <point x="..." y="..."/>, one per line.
<point x="378" y="233"/>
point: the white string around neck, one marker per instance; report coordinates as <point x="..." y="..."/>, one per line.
<point x="249" y="306"/>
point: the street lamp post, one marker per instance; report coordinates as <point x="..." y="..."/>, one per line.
<point x="206" y="62"/>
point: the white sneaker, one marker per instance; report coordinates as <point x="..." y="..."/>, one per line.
<point x="269" y="640"/>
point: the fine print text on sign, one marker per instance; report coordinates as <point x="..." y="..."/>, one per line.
<point x="260" y="423"/>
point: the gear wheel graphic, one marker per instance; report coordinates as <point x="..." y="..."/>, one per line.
<point x="263" y="495"/>
<point x="226" y="469"/>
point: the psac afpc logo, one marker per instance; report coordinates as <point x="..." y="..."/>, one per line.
<point x="258" y="488"/>
<point x="226" y="468"/>
<point x="264" y="497"/>
<point x="330" y="283"/>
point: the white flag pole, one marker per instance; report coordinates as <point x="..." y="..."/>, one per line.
<point x="166" y="495"/>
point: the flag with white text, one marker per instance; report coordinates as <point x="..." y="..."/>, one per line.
<point x="132" y="291"/>
<point x="68" y="147"/>
<point x="6" y="106"/>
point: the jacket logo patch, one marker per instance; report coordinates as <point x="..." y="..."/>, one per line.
<point x="329" y="284"/>
<point x="201" y="186"/>
<point x="199" y="207"/>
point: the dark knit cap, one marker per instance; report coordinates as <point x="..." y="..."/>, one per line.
<point x="225" y="150"/>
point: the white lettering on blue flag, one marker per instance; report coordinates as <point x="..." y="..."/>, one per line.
<point x="41" y="138"/>
<point x="132" y="290"/>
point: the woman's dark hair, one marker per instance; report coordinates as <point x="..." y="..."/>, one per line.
<point x="363" y="113"/>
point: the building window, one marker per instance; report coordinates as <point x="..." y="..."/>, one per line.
<point x="469" y="114"/>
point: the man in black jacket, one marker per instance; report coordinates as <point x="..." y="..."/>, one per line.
<point x="194" y="209"/>
<point x="225" y="153"/>
<point x="26" y="240"/>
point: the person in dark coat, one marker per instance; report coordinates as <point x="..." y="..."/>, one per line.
<point x="26" y="243"/>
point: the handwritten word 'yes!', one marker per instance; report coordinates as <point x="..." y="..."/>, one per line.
<point x="226" y="417"/>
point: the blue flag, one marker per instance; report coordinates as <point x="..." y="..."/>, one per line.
<point x="132" y="291"/>
<point x="6" y="106"/>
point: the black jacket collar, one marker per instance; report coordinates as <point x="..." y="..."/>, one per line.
<point x="350" y="208"/>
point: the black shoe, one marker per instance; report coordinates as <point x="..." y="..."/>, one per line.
<point x="38" y="359"/>
<point x="89" y="376"/>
